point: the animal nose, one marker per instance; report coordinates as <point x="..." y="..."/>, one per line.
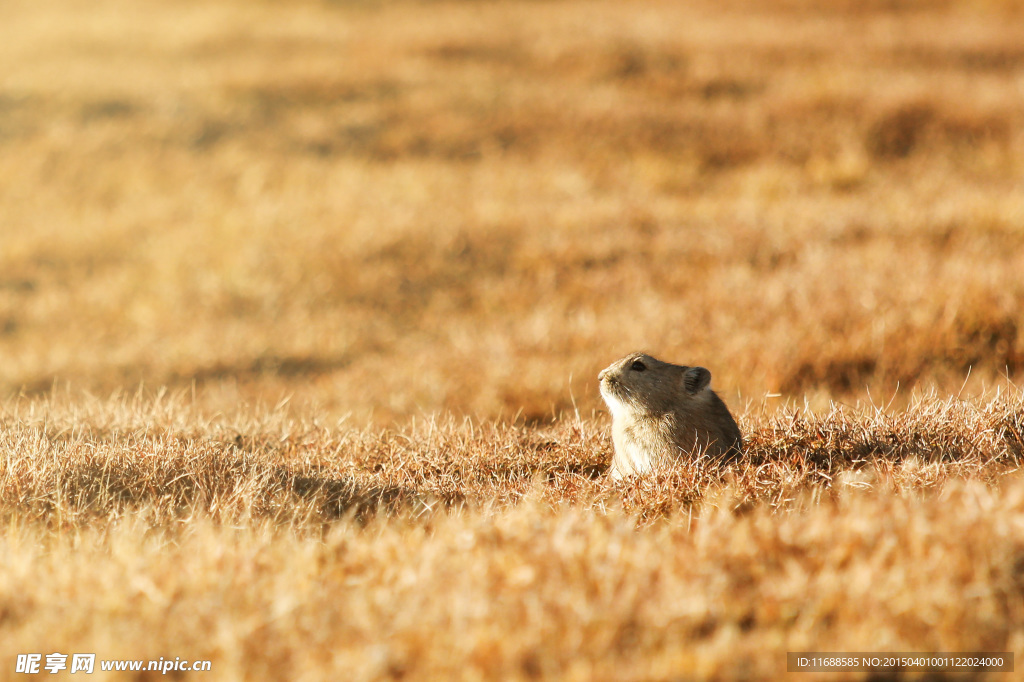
<point x="600" y="375"/>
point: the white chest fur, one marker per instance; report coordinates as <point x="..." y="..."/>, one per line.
<point x="640" y="443"/>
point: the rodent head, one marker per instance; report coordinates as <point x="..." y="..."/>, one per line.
<point x="639" y="384"/>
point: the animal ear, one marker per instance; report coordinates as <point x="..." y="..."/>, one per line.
<point x="695" y="379"/>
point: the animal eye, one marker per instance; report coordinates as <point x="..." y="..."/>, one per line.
<point x="638" y="366"/>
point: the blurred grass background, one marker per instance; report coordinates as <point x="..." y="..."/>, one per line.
<point x="388" y="209"/>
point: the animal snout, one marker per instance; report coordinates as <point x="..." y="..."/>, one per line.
<point x="601" y="374"/>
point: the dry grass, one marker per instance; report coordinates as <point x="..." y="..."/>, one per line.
<point x="419" y="229"/>
<point x="389" y="209"/>
<point x="281" y="547"/>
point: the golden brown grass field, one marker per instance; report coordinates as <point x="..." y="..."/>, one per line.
<point x="302" y="306"/>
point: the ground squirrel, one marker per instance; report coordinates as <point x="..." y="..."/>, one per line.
<point x="662" y="411"/>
